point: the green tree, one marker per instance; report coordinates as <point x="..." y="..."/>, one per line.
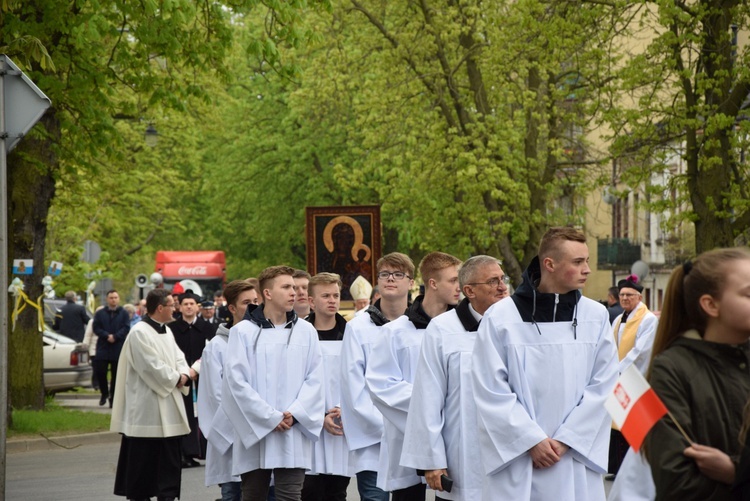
<point x="466" y="117"/>
<point x="685" y="95"/>
<point x="108" y="62"/>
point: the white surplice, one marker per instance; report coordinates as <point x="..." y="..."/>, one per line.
<point x="211" y="417"/>
<point x="640" y="353"/>
<point x="634" y="481"/>
<point x="441" y="428"/>
<point x="390" y="374"/>
<point x="268" y="371"/>
<point x="147" y="402"/>
<point x="529" y="386"/>
<point x="363" y="423"/>
<point x="330" y="453"/>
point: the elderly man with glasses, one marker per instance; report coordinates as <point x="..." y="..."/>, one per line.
<point x="634" y="332"/>
<point x="440" y="435"/>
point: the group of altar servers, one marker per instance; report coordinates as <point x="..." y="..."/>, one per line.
<point x="500" y="397"/>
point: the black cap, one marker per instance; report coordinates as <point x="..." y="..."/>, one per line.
<point x="189" y="294"/>
<point x="630" y="282"/>
<point x="207" y="305"/>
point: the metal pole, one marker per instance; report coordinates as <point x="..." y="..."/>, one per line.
<point x="3" y="284"/>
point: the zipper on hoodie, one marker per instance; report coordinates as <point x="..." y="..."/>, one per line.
<point x="554" y="311"/>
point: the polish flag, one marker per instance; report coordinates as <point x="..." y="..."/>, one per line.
<point x="634" y="406"/>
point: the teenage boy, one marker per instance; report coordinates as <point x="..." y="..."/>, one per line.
<point x="441" y="436"/>
<point x="240" y="295"/>
<point x="393" y="362"/>
<point x="301" y="298"/>
<point x="543" y="364"/>
<point x="329" y="476"/>
<point x="272" y="392"/>
<point x="361" y="419"/>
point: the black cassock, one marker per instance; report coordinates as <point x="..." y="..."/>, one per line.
<point x="192" y="338"/>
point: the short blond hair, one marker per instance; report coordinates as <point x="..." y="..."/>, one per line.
<point x="324" y="278"/>
<point x="434" y="262"/>
<point x="552" y="238"/>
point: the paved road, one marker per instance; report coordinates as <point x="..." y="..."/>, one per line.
<point x="87" y="473"/>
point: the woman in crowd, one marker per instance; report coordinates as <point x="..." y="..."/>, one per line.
<point x="700" y="370"/>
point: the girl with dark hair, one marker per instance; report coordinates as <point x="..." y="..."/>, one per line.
<point x="699" y="368"/>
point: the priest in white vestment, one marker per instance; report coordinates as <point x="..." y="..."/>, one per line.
<point x="543" y="364"/>
<point x="441" y="436"/>
<point x="273" y="391"/>
<point x="148" y="409"/>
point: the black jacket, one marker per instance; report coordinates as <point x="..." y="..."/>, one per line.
<point x="705" y="386"/>
<point x="107" y="322"/>
<point x="340" y="326"/>
<point x="535" y="306"/>
<point x="72" y="321"/>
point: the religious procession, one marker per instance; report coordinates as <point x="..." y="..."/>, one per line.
<point x="530" y="158"/>
<point x="466" y="389"/>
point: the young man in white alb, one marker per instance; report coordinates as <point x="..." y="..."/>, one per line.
<point x="240" y="295"/>
<point x="273" y="392"/>
<point x="361" y="419"/>
<point x="329" y="476"/>
<point x="390" y="373"/>
<point x="543" y="364"/>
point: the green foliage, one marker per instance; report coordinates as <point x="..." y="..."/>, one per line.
<point x="685" y="122"/>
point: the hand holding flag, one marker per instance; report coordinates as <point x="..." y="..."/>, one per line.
<point x="635" y="408"/>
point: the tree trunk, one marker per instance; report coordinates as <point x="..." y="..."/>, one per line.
<point x="30" y="191"/>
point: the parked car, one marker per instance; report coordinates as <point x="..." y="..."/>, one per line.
<point x="66" y="363"/>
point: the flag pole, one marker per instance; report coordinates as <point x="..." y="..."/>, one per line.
<point x="669" y="413"/>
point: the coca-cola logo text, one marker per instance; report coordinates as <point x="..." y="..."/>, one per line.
<point x="192" y="270"/>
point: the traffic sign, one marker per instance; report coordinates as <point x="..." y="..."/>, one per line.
<point x="24" y="102"/>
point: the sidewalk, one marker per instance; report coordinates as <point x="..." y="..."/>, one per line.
<point x="77" y="401"/>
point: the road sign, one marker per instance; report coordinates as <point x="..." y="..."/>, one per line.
<point x="25" y="103"/>
<point x="91" y="252"/>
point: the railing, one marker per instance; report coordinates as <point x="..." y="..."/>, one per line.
<point x="617" y="252"/>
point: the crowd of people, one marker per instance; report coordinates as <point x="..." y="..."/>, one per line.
<point x="465" y="389"/>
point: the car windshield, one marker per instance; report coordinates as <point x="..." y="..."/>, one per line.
<point x="54" y="337"/>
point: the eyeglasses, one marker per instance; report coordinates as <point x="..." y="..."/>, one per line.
<point x="494" y="282"/>
<point x="628" y="294"/>
<point x="168" y="305"/>
<point x="397" y="275"/>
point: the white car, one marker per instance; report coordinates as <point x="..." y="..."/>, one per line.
<point x="66" y="363"/>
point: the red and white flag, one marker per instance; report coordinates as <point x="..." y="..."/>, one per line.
<point x="634" y="406"/>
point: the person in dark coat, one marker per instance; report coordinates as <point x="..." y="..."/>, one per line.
<point x="72" y="319"/>
<point x="699" y="369"/>
<point x="111" y="326"/>
<point x="191" y="333"/>
<point x="208" y="313"/>
<point x="613" y="303"/>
